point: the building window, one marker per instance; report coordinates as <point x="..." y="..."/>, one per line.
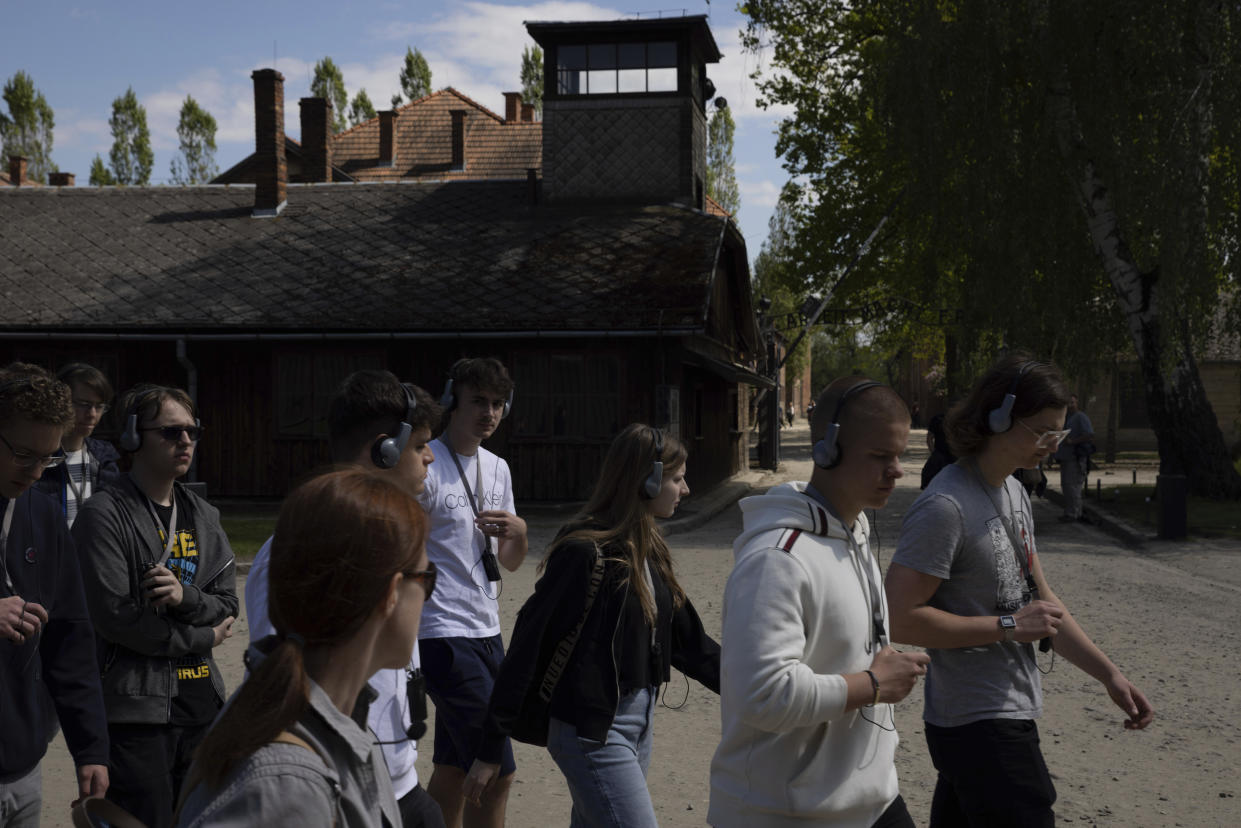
<point x="305" y="384"/>
<point x="566" y="396"/>
<point x="609" y="68"/>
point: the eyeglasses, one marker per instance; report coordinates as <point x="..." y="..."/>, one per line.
<point x="426" y="577"/>
<point x="25" y="459"/>
<point x="1046" y="439"/>
<point x="172" y="433"/>
<point x="84" y="406"/>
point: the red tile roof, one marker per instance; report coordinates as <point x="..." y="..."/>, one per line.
<point x="493" y="148"/>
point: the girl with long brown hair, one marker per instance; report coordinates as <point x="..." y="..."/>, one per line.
<point x="348" y="578"/>
<point x="627" y="631"/>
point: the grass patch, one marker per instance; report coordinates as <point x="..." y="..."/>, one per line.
<point x="1207" y="518"/>
<point x="247" y="534"/>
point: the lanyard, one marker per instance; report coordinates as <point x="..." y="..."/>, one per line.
<point x="1018" y="547"/>
<point x="87" y="466"/>
<point x="171" y="537"/>
<point x="4" y="546"/>
<point x="861" y="568"/>
<point x="478" y="480"/>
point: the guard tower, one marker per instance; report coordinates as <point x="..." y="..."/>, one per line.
<point x="624" y="116"/>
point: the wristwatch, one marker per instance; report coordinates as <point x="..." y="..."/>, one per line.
<point x="1009" y="625"/>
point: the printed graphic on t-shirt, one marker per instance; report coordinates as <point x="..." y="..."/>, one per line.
<point x="195" y="702"/>
<point x="1009" y="583"/>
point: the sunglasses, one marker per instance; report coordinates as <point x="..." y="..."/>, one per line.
<point x="25" y="459"/>
<point x="426" y="577"/>
<point x="1049" y="439"/>
<point x="173" y="433"/>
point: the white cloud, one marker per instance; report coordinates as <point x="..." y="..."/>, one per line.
<point x="764" y="193"/>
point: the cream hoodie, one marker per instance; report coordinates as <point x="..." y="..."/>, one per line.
<point x="797" y="617"/>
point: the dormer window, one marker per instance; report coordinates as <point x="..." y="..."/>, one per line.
<point x="612" y="68"/>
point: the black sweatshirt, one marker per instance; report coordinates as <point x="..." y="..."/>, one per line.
<point x="61" y="660"/>
<point x="589" y="690"/>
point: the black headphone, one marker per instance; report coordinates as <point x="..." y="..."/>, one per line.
<point x="828" y="452"/>
<point x="131" y="437"/>
<point x="655" y="480"/>
<point x="448" y="400"/>
<point x="386" y="452"/>
<point x="1000" y="420"/>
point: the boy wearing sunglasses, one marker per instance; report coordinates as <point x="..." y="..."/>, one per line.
<point x="47" y="646"/>
<point x="160" y="586"/>
<point x="367" y="426"/>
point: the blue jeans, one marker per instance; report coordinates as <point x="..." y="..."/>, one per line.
<point x="608" y="779"/>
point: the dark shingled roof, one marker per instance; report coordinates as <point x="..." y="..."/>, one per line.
<point x="455" y="256"/>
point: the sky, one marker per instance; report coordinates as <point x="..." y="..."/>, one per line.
<point x="82" y="55"/>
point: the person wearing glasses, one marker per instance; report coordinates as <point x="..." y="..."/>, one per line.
<point x="373" y="409"/>
<point x="47" y="645"/>
<point x="348" y="578"/>
<point x="967" y="583"/>
<point x="160" y="586"/>
<point x="808" y="676"/>
<point x="90" y="464"/>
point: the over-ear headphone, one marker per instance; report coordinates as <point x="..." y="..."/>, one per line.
<point x="386" y="453"/>
<point x="655" y="480"/>
<point x="828" y="452"/>
<point x="1000" y="420"/>
<point x="448" y="400"/>
<point x="131" y="437"/>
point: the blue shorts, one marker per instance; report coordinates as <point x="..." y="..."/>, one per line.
<point x="460" y="674"/>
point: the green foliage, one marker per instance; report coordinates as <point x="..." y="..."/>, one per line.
<point x="329" y="82"/>
<point x="415" y="75"/>
<point x="955" y="112"/>
<point x="100" y="175"/>
<point x="196" y="133"/>
<point x="532" y="77"/>
<point x="721" y="175"/>
<point x="131" y="155"/>
<point x="773" y="278"/>
<point x="27" y="129"/>
<point x="396" y="99"/>
<point x="360" y="108"/>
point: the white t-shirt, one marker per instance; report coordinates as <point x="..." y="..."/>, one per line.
<point x="389" y="714"/>
<point x="464" y="604"/>
<point x="78" y="471"/>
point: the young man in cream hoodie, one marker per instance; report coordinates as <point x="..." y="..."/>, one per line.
<point x="807" y="673"/>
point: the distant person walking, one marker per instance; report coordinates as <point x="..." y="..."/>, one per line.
<point x="941" y="453"/>
<point x="1073" y="455"/>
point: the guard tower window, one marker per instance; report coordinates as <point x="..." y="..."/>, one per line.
<point x="609" y="68"/>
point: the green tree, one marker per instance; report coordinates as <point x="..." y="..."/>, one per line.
<point x="360" y="108"/>
<point x="131" y="156"/>
<point x="329" y="83"/>
<point x="1061" y="177"/>
<point x="532" y="77"/>
<point x="27" y="129"/>
<point x="196" y="131"/>
<point x="773" y="277"/>
<point x="100" y="176"/>
<point x="721" y="175"/>
<point x="415" y="75"/>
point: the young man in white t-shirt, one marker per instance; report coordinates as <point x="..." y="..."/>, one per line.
<point x="378" y="422"/>
<point x="474" y="530"/>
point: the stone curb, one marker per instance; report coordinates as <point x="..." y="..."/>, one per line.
<point x="713" y="503"/>
<point x="1123" y="531"/>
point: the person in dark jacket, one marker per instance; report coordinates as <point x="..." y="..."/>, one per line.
<point x="89" y="464"/>
<point x="639" y="625"/>
<point x="941" y="454"/>
<point x="161" y="590"/>
<point x="47" y="645"/>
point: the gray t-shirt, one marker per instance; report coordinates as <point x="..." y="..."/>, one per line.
<point x="954" y="532"/>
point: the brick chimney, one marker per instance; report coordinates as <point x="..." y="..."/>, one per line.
<point x="458" y="139"/>
<point x="527" y="113"/>
<point x="316" y="117"/>
<point x="387" y="138"/>
<point x="60" y="179"/>
<point x="271" y="179"/>
<point x="17" y="170"/>
<point x="512" y="107"/>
